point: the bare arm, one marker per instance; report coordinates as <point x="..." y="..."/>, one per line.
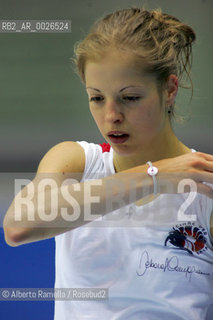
<point x="82" y="193"/>
<point x="197" y="166"/>
<point x="56" y="165"/>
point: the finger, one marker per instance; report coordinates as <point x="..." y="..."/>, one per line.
<point x="205" y="189"/>
<point x="206" y="156"/>
<point x="209" y="166"/>
<point x="204" y="176"/>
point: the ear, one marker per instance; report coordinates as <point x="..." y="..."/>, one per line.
<point x="171" y="89"/>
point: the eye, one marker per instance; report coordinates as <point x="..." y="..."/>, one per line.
<point x="96" y="99"/>
<point x="131" y="98"/>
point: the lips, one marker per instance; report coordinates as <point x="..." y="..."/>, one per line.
<point x="118" y="136"/>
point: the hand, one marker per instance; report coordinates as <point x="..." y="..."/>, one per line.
<point x="196" y="166"/>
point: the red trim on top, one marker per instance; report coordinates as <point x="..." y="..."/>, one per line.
<point x="105" y="147"/>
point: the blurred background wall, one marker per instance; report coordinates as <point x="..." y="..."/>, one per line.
<point x="42" y="102"/>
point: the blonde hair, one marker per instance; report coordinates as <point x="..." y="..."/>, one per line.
<point x="158" y="41"/>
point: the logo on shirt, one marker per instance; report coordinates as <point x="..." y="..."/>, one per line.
<point x="188" y="237"/>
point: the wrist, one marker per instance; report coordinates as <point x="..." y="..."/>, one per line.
<point x="153" y="171"/>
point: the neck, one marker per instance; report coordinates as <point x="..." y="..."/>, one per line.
<point x="162" y="148"/>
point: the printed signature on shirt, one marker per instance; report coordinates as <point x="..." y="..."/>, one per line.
<point x="170" y="264"/>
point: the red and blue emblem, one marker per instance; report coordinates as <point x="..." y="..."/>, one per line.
<point x="188" y="237"/>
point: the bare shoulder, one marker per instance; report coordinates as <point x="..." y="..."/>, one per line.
<point x="64" y="157"/>
<point x="65" y="160"/>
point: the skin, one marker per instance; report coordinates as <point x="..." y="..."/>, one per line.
<point x="151" y="138"/>
<point x="145" y="119"/>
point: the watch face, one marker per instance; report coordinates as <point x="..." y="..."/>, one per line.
<point x="152" y="171"/>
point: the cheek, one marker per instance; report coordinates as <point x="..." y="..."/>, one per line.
<point x="97" y="116"/>
<point x="149" y="117"/>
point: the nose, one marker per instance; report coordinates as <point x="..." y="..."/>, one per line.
<point x="113" y="112"/>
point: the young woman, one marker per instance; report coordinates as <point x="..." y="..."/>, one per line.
<point x="152" y="248"/>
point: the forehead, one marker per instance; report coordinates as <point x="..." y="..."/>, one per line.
<point x="116" y="66"/>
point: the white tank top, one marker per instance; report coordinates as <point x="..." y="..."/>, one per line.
<point x="161" y="269"/>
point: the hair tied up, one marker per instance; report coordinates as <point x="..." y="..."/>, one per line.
<point x="160" y="43"/>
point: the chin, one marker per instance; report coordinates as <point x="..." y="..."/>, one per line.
<point x="124" y="150"/>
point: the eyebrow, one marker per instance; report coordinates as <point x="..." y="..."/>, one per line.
<point x="119" y="90"/>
